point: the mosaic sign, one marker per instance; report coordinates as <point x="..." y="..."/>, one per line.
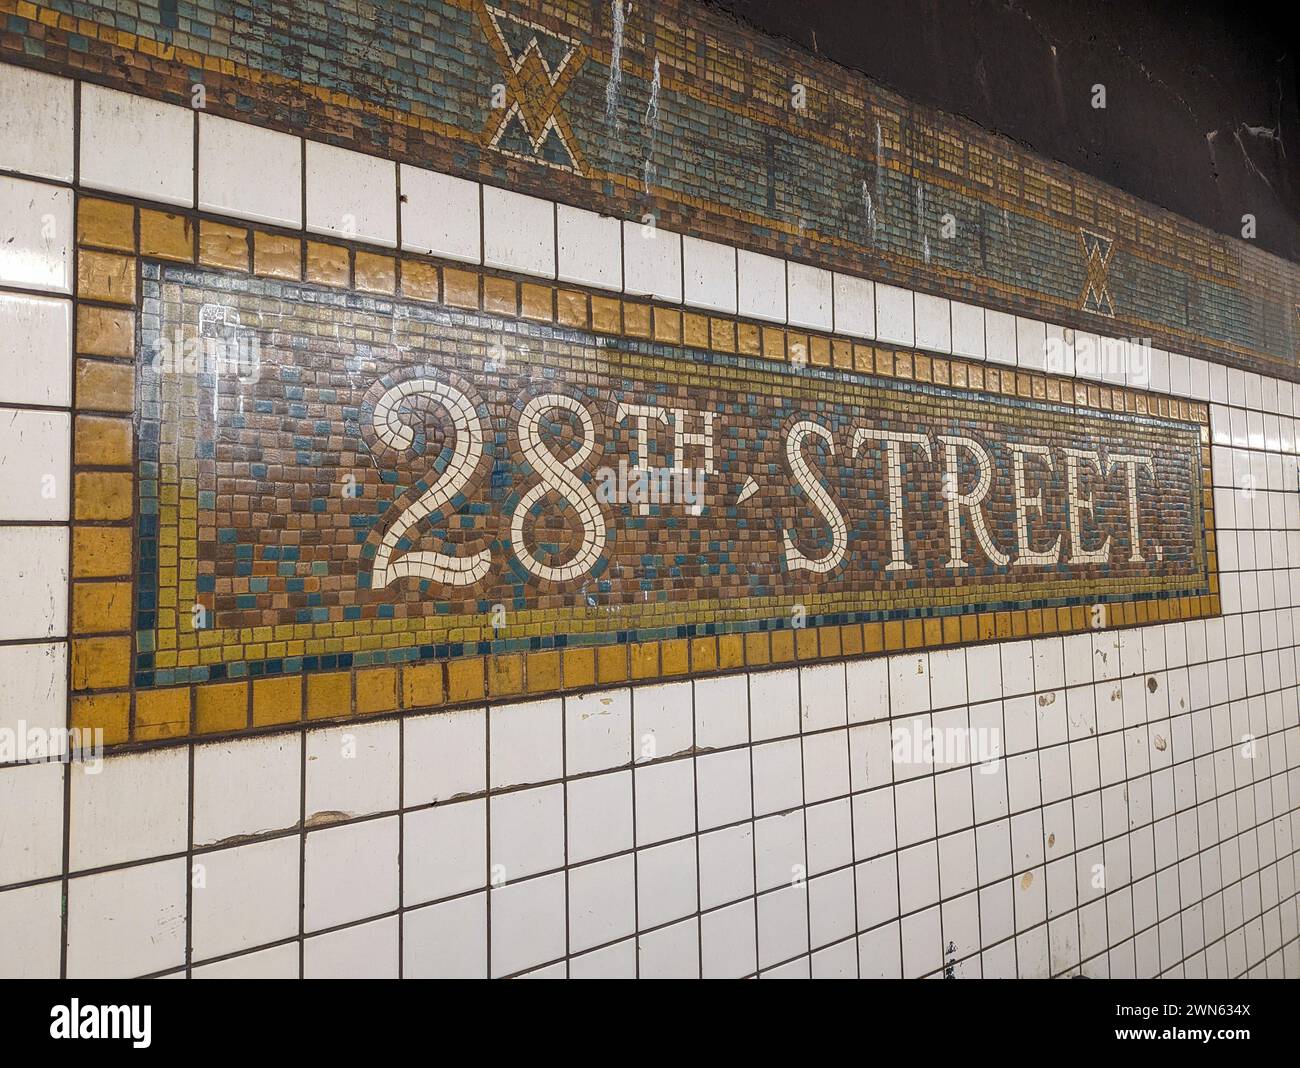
<point x="330" y="480"/>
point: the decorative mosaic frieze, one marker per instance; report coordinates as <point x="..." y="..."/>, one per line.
<point x="678" y="113"/>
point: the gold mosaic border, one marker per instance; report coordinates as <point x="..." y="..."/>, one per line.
<point x="114" y="235"/>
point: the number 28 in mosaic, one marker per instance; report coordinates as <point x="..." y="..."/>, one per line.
<point x="348" y="480"/>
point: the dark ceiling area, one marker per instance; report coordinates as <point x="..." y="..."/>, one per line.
<point x="1201" y="109"/>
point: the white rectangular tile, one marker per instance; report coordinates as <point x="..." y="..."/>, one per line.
<point x="35" y="235"/>
<point x="31" y="821"/>
<point x="447" y="940"/>
<point x="999" y="337"/>
<point x="366" y="951"/>
<point x="249" y="172"/>
<point x="244" y="897"/>
<point x="351" y="195"/>
<point x="933" y="323"/>
<point x="895" y="315"/>
<point x="444" y="756"/>
<point x="709" y="273"/>
<point x="352" y="770"/>
<point x="855" y="306"/>
<point x="127" y="921"/>
<point x="518" y="232"/>
<point x="133" y="807"/>
<point x="34" y="575"/>
<point x="440" y="215"/>
<point x="967" y="330"/>
<point x="652" y="262"/>
<point x="35" y="689"/>
<point x="39" y="488"/>
<point x="350" y="873"/>
<point x="590" y="249"/>
<point x="32" y="919"/>
<point x="36" y="123"/>
<point x="35" y="349"/>
<point x="761" y="285"/>
<point x="247" y="786"/>
<point x="1031" y="343"/>
<point x="136" y="146"/>
<point x="809" y="296"/>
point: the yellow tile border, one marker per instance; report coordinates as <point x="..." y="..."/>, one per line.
<point x="110" y="237"/>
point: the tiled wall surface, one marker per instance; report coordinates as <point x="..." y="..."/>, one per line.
<point x="676" y="111"/>
<point x="1140" y="816"/>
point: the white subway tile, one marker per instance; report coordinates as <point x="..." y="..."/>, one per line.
<point x="35" y="349"/>
<point x="350" y="873"/>
<point x="34" y="575"/>
<point x="36" y="123"/>
<point x="352" y="770"/>
<point x="855" y="306"/>
<point x="245" y="897"/>
<point x="809" y="296"/>
<point x="136" y="146"/>
<point x="351" y="195"/>
<point x="652" y="262"/>
<point x="1031" y="343"/>
<point x="526" y="742"/>
<point x="709" y="275"/>
<point x="665" y="801"/>
<point x="527" y="831"/>
<point x="249" y="172"/>
<point x="999" y="337"/>
<point x="31" y="821"/>
<point x="598" y="731"/>
<point x="602" y="902"/>
<point x="518" y="232"/>
<point x="135" y="806"/>
<point x="247" y="786"/>
<point x="40" y="487"/>
<point x="446" y="941"/>
<point x="440" y="215"/>
<point x="590" y="249"/>
<point x="366" y="951"/>
<point x="933" y="323"/>
<point x="278" y="962"/>
<point x="761" y="286"/>
<point x="895" y="315"/>
<point x="35" y="690"/>
<point x="599" y="811"/>
<point x="967" y="330"/>
<point x="670" y="952"/>
<point x="444" y="756"/>
<point x="528" y="923"/>
<point x="667" y="882"/>
<point x="35" y="235"/>
<point x="663" y="720"/>
<point x="32" y="919"/>
<point x="127" y="921"/>
<point x="444" y="851"/>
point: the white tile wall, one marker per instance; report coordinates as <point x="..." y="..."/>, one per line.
<point x="1142" y="818"/>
